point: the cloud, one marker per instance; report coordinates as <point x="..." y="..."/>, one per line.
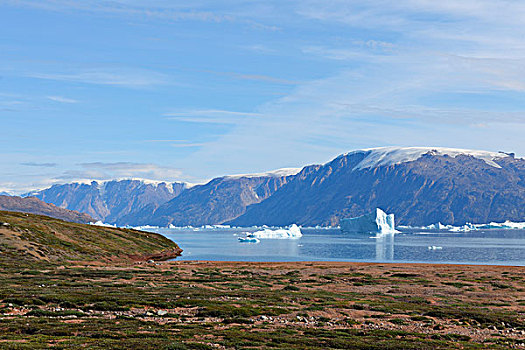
<point x="61" y="99"/>
<point x="214" y="116"/>
<point x="256" y="77"/>
<point x="133" y="78"/>
<point x="104" y="171"/>
<point x="42" y="165"/>
<point x="153" y="10"/>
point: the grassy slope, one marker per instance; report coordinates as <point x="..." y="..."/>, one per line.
<point x="30" y="238"/>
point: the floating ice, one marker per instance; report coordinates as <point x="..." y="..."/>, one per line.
<point x="100" y="223"/>
<point x="293" y="232"/>
<point x="248" y="240"/>
<point x="503" y="225"/>
<point x="376" y="222"/>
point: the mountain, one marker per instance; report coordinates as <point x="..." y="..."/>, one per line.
<point x="4" y="194"/>
<point x="36" y="206"/>
<point x="112" y="201"/>
<point x="28" y="238"/>
<point x="420" y="185"/>
<point x="219" y="200"/>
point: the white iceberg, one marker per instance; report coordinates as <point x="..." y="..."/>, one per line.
<point x="376" y="222"/>
<point x="438" y="226"/>
<point x="102" y="224"/>
<point x="248" y="240"/>
<point x="509" y="225"/>
<point x="293" y="232"/>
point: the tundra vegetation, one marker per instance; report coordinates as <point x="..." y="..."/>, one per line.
<point x="70" y="286"/>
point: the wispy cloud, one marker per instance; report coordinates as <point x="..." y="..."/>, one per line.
<point x="153" y="10"/>
<point x="62" y="99"/>
<point x="41" y="165"/>
<point x="256" y="77"/>
<point x="215" y="116"/>
<point x="133" y="78"/>
<point x="103" y="170"/>
<point x="179" y="143"/>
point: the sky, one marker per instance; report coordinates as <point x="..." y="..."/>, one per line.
<point x="189" y="90"/>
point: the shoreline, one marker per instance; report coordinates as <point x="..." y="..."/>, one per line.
<point x="339" y="263"/>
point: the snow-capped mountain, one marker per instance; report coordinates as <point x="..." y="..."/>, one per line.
<point x="219" y="200"/>
<point x="111" y="201"/>
<point x="421" y="185"/>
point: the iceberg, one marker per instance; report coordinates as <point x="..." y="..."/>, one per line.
<point x="376" y="222"/>
<point x="248" y="240"/>
<point x="293" y="232"/>
<point x="438" y="226"/>
<point x="101" y="224"/>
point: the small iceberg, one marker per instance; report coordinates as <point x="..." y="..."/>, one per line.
<point x="102" y="224"/>
<point x="438" y="226"/>
<point x="293" y="232"/>
<point x="465" y="228"/>
<point x="248" y="240"/>
<point x="376" y="222"/>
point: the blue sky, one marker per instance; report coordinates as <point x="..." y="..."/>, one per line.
<point x="172" y="90"/>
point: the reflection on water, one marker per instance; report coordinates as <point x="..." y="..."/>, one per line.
<point x="385" y="248"/>
<point x="497" y="247"/>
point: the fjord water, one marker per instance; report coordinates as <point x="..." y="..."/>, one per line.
<point x="491" y="247"/>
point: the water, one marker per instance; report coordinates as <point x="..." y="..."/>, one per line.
<point x="494" y="247"/>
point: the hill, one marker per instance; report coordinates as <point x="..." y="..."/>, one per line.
<point x="36" y="206"/>
<point x="33" y="238"/>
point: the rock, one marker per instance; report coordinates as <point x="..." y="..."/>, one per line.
<point x="162" y="312"/>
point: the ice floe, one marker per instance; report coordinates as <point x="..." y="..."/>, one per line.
<point x="282" y="233"/>
<point x="248" y="240"/>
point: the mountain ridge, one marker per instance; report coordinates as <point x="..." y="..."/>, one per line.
<point x="408" y="181"/>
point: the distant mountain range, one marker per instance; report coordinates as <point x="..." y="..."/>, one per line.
<point x="35" y="206"/>
<point x="420" y="185"/>
<point x="113" y="202"/>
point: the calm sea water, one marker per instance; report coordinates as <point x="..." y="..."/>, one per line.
<point x="495" y="247"/>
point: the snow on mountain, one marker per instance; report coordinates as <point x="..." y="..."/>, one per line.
<point x="275" y="173"/>
<point x="385" y="156"/>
